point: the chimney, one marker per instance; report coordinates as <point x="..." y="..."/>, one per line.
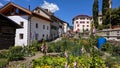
<point x="29" y="7"/>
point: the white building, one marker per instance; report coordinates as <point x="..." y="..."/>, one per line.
<point x="81" y="23"/>
<point x="100" y="18"/>
<point x="66" y="27"/>
<point x="35" y="26"/>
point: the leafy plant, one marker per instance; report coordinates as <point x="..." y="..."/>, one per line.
<point x="15" y="53"/>
<point x="3" y="63"/>
<point x="3" y="53"/>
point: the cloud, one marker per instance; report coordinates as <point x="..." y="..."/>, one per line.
<point x="1" y="4"/>
<point x="50" y="6"/>
<point x="7" y="0"/>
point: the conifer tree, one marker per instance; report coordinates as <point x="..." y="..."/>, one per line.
<point x="95" y="13"/>
<point x="106" y="12"/>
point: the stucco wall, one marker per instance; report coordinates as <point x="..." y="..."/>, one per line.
<point x="23" y="30"/>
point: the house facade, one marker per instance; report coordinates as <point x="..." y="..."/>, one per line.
<point x="66" y="27"/>
<point x="7" y="32"/>
<point x="81" y="23"/>
<point x="56" y="26"/>
<point x="35" y="26"/>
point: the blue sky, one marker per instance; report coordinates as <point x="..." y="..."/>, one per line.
<point x="66" y="9"/>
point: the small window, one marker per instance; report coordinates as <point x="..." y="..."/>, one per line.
<point x="43" y="35"/>
<point x="47" y="27"/>
<point x="36" y="25"/>
<point x="36" y="36"/>
<point x="43" y="26"/>
<point x="76" y="21"/>
<point x="83" y="25"/>
<point x="21" y="36"/>
<point x="22" y="23"/>
<point x="87" y="25"/>
<point x="38" y="11"/>
<point x="83" y="22"/>
<point x="117" y="31"/>
<point x="87" y="29"/>
<point x="78" y="25"/>
<point x="87" y="22"/>
<point x="17" y="11"/>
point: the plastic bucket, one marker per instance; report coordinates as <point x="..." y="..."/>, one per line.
<point x="101" y="41"/>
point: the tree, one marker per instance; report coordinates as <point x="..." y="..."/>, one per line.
<point x="106" y="12"/>
<point x="95" y="13"/>
<point x="115" y="17"/>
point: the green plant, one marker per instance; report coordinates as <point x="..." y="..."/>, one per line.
<point x="116" y="50"/>
<point x="3" y="63"/>
<point x="15" y="53"/>
<point x="35" y="46"/>
<point x="3" y="53"/>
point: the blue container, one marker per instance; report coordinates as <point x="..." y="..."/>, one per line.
<point x="101" y="41"/>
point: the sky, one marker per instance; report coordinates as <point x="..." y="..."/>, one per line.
<point x="66" y="10"/>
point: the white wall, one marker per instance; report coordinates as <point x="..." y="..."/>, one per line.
<point x="23" y="30"/>
<point x="40" y="31"/>
<point x="65" y="27"/>
<point x="75" y="27"/>
<point x="100" y="20"/>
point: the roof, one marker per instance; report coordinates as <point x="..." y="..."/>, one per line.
<point x="82" y="16"/>
<point x="4" y="19"/>
<point x="11" y="4"/>
<point x="44" y="10"/>
<point x="50" y="14"/>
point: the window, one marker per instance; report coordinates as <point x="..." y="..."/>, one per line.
<point x="38" y="11"/>
<point x="47" y="27"/>
<point x="76" y="21"/>
<point x="83" y="25"/>
<point x="87" y="29"/>
<point x="78" y="25"/>
<point x="22" y="23"/>
<point x="47" y="36"/>
<point x="36" y="25"/>
<point x="117" y="31"/>
<point x="17" y="11"/>
<point x="21" y="36"/>
<point x="43" y="26"/>
<point x="87" y="22"/>
<point x="87" y="25"/>
<point x="36" y="36"/>
<point x="83" y="22"/>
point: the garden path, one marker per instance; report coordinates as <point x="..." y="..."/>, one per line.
<point x="27" y="63"/>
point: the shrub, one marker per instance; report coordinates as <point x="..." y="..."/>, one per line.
<point x="35" y="46"/>
<point x="15" y="53"/>
<point x="3" y="53"/>
<point x="107" y="47"/>
<point x="3" y="63"/>
<point x="116" y="51"/>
